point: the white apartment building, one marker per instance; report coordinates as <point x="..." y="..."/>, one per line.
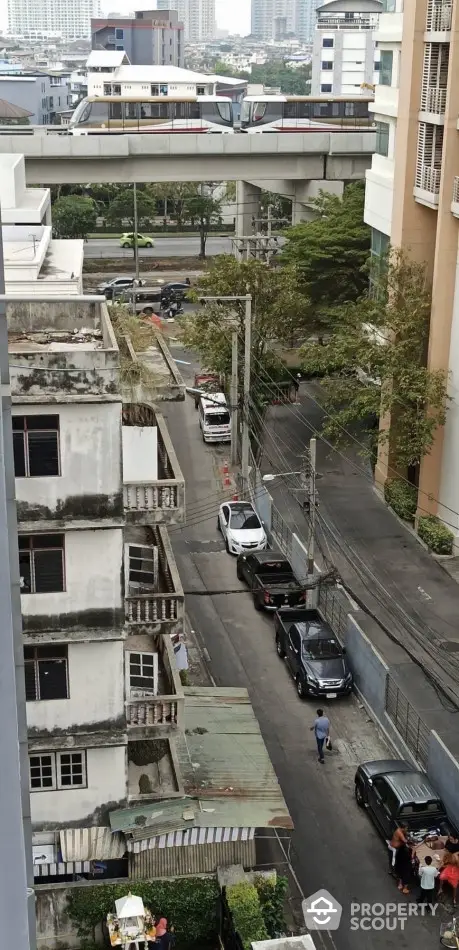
<point x="69" y="18"/>
<point x="198" y="17"/>
<point x="108" y="74"/>
<point x="95" y="483"/>
<point x="344" y="58"/>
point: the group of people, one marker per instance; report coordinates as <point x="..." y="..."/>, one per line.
<point x="404" y="865"/>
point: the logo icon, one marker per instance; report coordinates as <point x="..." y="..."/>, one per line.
<point x="321" y="911"/>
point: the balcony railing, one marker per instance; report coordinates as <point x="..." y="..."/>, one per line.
<point x="152" y="609"/>
<point x="337" y="23"/>
<point x="152" y="711"/>
<point x="438" y="16"/>
<point x="428" y="179"/>
<point x="455" y="201"/>
<point x="433" y="100"/>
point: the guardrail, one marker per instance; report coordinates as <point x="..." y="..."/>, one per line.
<point x="438" y="17"/>
<point x="433" y="100"/>
<point x="409" y="724"/>
<point x="152" y="711"/>
<point x="34" y="130"/>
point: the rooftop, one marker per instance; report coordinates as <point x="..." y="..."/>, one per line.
<point x="19" y="204"/>
<point x="98" y="58"/>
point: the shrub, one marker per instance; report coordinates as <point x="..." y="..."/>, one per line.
<point x="271" y="894"/>
<point x="190" y="905"/>
<point x="402" y="497"/>
<point x="435" y="534"/>
<point x="244" y="905"/>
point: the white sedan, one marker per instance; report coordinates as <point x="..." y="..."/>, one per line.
<point x="241" y="527"/>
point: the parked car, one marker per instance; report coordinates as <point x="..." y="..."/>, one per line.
<point x="147" y="300"/>
<point x="178" y="287"/>
<point x="111" y="287"/>
<point x="314" y="656"/>
<point x="394" y="793"/>
<point x="271" y="580"/>
<point x="143" y="240"/>
<point x="241" y="527"/>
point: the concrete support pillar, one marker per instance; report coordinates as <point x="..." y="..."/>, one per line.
<point x="48" y="220"/>
<point x="301" y="212"/>
<point x="306" y="192"/>
<point x="247" y="207"/>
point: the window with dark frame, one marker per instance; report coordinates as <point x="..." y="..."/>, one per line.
<point x="36" y="446"/>
<point x="49" y="771"/>
<point x="327" y="43"/>
<point x="46" y="672"/>
<point x="382" y="138"/>
<point x="41" y="563"/>
<point x="326" y="87"/>
<point x="327" y="64"/>
<point x="142" y="671"/>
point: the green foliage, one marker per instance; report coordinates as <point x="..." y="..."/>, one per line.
<point x="122" y="206"/>
<point x="380" y="345"/>
<point x="189" y="904"/>
<point x="435" y="534"/>
<point x="245" y="908"/>
<point x="402" y="497"/>
<point x="292" y="82"/>
<point x="203" y="209"/>
<point x="74" y="216"/>
<point x="271" y="894"/>
<point x="331" y="253"/>
<point x="135" y="335"/>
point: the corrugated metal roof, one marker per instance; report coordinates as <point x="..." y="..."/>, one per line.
<point x="223" y="757"/>
<point x="191" y="836"/>
<point x="91" y="844"/>
<point x="196" y="859"/>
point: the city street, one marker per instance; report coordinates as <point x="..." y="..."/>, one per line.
<point x="187" y="246"/>
<point x="334" y="845"/>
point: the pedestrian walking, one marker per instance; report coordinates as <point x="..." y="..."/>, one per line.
<point x="321" y="729"/>
<point x="427" y="875"/>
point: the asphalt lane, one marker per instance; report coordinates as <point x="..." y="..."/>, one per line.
<point x="164" y="247"/>
<point x="334" y="844"/>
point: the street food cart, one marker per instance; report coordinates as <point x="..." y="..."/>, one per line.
<point x="132" y="925"/>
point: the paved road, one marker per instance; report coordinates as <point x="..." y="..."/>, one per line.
<point x="334" y="845"/>
<point x="164" y="247"/>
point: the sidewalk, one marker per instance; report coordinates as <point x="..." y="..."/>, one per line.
<point x="409" y="593"/>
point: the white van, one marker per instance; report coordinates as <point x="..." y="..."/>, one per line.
<point x="214" y="418"/>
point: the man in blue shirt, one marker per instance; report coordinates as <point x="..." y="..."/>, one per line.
<point x="321" y="729"/>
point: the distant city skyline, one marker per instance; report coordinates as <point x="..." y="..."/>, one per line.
<point x="231" y="15"/>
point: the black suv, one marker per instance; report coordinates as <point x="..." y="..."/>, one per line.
<point x="395" y="794"/>
<point x="316" y="659"/>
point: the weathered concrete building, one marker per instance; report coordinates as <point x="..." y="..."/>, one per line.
<point x="99" y="587"/>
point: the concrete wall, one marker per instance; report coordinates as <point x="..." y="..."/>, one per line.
<point x="35" y="93"/>
<point x="96" y="694"/>
<point x="90" y="483"/>
<point x="368" y="667"/>
<point x="140" y="453"/>
<point x="93" y="587"/>
<point x="106" y="778"/>
<point x="443" y="770"/>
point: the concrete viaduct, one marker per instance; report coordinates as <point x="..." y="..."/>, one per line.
<point x="294" y="164"/>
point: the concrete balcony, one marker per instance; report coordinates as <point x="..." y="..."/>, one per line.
<point x="427" y="186"/>
<point x="438" y="21"/>
<point x="455" y="201"/>
<point x="159" y="609"/>
<point x="158" y="712"/>
<point x="159" y="496"/>
<point x="433" y="105"/>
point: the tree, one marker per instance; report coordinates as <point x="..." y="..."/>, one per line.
<point x="276" y="307"/>
<point x="292" y="81"/>
<point x="74" y="216"/>
<point x="378" y="348"/>
<point x="203" y="209"/>
<point x="174" y="196"/>
<point x="331" y="253"/>
<point x="122" y="206"/>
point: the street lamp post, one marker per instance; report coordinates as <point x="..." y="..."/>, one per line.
<point x="310" y="489"/>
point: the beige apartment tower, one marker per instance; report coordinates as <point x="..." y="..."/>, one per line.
<point x="412" y="200"/>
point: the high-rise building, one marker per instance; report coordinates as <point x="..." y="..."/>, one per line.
<point x="149" y="38"/>
<point x="412" y="202"/>
<point x="71" y="18"/>
<point x="344" y="60"/>
<point x="277" y="19"/>
<point x="197" y="15"/>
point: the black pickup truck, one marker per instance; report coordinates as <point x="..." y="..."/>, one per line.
<point x="314" y="656"/>
<point x="271" y="580"/>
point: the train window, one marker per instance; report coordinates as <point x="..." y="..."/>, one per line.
<point x="195" y="110"/>
<point x="145" y="110"/>
<point x="304" y="110"/>
<point x="131" y="111"/>
<point x="86" y="112"/>
<point x="99" y="112"/>
<point x="245" y="112"/>
<point x="224" y="109"/>
<point x="180" y="110"/>
<point x="259" y="109"/>
<point x="114" y="111"/>
<point x="349" y="108"/>
<point x="290" y="110"/>
<point x="336" y="109"/>
<point x="321" y="109"/>
<point x="361" y="109"/>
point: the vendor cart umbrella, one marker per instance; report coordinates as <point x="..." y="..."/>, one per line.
<point x="130" y="906"/>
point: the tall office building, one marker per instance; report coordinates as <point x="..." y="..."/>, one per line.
<point x="412" y="202"/>
<point x="197" y="15"/>
<point x="72" y="18"/>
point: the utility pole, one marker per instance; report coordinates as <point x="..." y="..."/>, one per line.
<point x="270" y="226"/>
<point x="17" y="904"/>
<point x="246" y="393"/>
<point x="312" y="504"/>
<point x="136" y="242"/>
<point x="234" y="395"/>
